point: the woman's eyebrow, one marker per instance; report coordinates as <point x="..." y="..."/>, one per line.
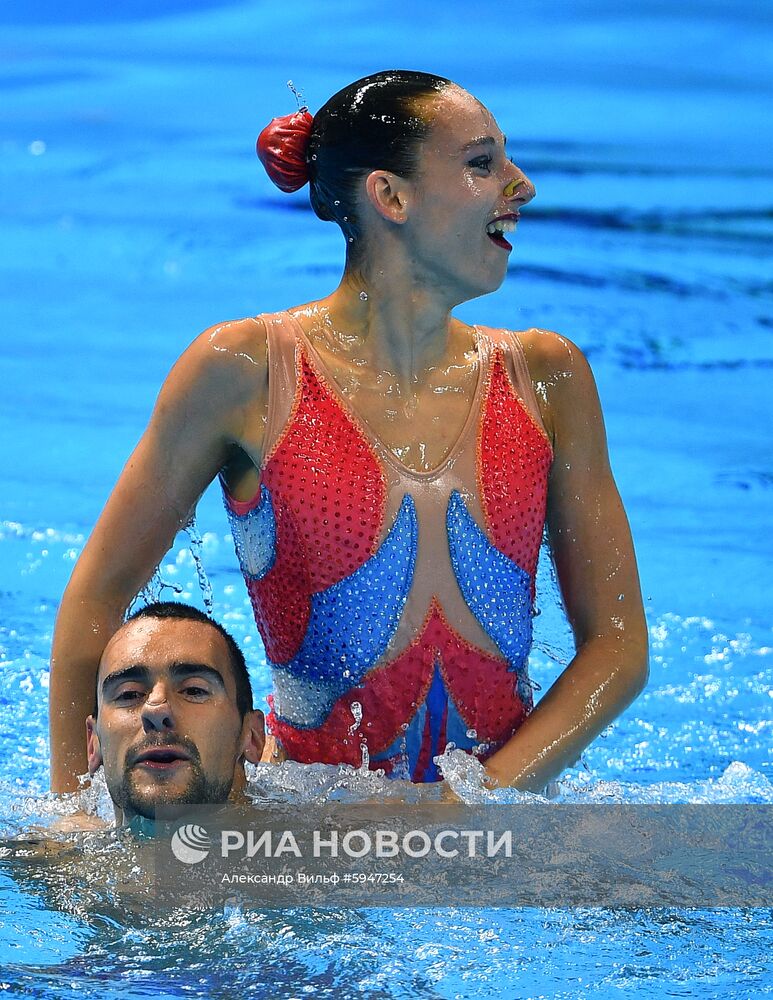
<point x="482" y="140"/>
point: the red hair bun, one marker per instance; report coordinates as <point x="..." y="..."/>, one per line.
<point x="281" y="148"/>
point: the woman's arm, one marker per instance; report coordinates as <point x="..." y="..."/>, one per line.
<point x="197" y="425"/>
<point x="597" y="573"/>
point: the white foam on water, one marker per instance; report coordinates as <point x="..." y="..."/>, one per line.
<point x="289" y="784"/>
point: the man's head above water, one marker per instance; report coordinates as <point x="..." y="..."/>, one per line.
<point x="173" y="720"/>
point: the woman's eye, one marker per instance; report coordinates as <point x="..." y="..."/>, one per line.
<point x="481" y="163"/>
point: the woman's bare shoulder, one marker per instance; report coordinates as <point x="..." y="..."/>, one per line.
<point x="235" y="341"/>
<point x="562" y="379"/>
<point x="550" y="355"/>
<point x="232" y="356"/>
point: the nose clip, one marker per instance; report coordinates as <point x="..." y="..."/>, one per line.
<point x="510" y="188"/>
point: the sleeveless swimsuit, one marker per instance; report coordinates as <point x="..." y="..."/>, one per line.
<point x="395" y="606"/>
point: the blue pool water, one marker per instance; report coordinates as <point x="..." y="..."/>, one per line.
<point x="135" y="215"/>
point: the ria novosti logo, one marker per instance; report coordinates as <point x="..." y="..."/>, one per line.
<point x="190" y="844"/>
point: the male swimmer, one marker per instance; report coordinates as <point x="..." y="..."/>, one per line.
<point x="173" y="720"/>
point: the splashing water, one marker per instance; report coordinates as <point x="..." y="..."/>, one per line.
<point x="153" y="590"/>
<point x="157" y="584"/>
<point x="552" y="635"/>
<point x="290" y="784"/>
<point x="356" y="708"/>
<point x="196" y="546"/>
<point x="298" y="94"/>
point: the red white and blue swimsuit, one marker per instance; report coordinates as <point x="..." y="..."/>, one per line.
<point x="395" y="606"/>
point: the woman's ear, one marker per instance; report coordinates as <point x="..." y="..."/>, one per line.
<point x="388" y="194"/>
<point x="93" y="748"/>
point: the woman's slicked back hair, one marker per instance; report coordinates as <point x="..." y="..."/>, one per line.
<point x="373" y="124"/>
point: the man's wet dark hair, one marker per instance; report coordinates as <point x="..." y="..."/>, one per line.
<point x="373" y="124"/>
<point x="187" y="612"/>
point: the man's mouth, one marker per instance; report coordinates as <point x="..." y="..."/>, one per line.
<point x="162" y="758"/>
<point x="503" y="224"/>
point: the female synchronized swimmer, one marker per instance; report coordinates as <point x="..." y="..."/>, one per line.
<point x="388" y="471"/>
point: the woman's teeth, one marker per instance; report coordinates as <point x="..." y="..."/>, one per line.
<point x="501" y="226"/>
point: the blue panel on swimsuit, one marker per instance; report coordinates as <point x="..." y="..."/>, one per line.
<point x="413" y="738"/>
<point x="437" y="710"/>
<point x="497" y="591"/>
<point x="254" y="535"/>
<point x="352" y="622"/>
<point x="405" y="749"/>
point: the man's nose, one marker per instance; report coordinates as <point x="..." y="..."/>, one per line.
<point x="157" y="712"/>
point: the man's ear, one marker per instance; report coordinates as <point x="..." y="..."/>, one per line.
<point x="93" y="749"/>
<point x="388" y="194"/>
<point x="253" y="736"/>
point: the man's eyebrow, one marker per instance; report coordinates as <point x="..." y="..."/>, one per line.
<point x="183" y="669"/>
<point x="482" y="140"/>
<point x="134" y="672"/>
<point x="179" y="670"/>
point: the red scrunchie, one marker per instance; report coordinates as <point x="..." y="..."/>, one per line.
<point x="281" y="148"/>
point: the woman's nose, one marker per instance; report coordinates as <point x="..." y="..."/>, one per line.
<point x="520" y="188"/>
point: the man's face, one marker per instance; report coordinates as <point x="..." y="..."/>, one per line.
<point x="167" y="728"/>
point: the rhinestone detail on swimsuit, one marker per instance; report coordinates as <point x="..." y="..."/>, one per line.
<point x="497" y="590"/>
<point x="341" y="646"/>
<point x="254" y="534"/>
<point x="336" y="586"/>
<point x="514" y="458"/>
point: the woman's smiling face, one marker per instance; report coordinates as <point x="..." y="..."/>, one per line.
<point x="464" y="184"/>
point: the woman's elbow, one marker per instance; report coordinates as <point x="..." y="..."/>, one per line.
<point x="635" y="660"/>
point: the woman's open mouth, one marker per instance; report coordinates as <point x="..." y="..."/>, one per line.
<point x="504" y="224"/>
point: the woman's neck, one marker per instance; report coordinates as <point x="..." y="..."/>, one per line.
<point x="391" y="323"/>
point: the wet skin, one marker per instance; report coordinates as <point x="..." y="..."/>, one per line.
<point x="424" y="249"/>
<point x="464" y="181"/>
<point x="168" y="729"/>
<point x="407" y="367"/>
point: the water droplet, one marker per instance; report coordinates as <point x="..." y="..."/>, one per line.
<point x="297" y="93"/>
<point x="364" y="296"/>
<point x="336" y="202"/>
<point x="356" y="710"/>
<point x="196" y="546"/>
